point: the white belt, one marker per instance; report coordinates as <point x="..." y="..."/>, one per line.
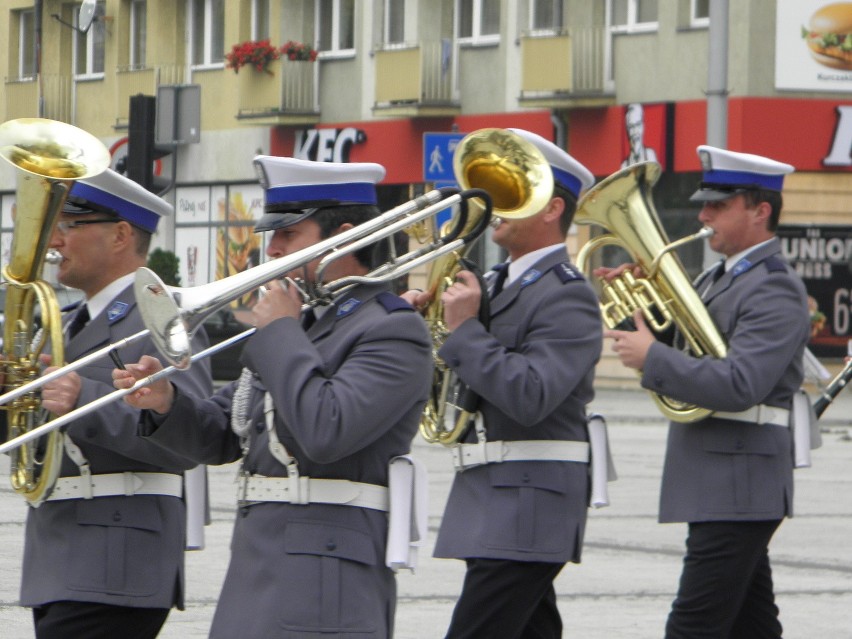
<point x="307" y="490"/>
<point x="117" y="484"/>
<point x="469" y="455"/>
<point x="760" y="414"/>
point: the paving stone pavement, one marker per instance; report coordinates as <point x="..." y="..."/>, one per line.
<point x="625" y="584"/>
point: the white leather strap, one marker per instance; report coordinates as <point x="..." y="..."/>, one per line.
<point x="470" y="455"/>
<point x="117" y="484"/>
<point x="307" y="490"/>
<point x="760" y="414"/>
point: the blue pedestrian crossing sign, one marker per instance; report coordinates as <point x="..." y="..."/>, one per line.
<point x="438" y="150"/>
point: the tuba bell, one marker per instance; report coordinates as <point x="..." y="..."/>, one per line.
<point x="49" y="156"/>
<point x="520" y="182"/>
<point x="622" y="205"/>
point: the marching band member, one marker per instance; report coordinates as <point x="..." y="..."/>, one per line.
<point x="730" y="476"/>
<point x="103" y="556"/>
<point x="517" y="509"/>
<point x="321" y="409"/>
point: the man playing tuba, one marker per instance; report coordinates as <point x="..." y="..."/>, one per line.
<point x="730" y="476"/>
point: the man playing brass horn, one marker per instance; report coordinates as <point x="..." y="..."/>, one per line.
<point x="323" y="406"/>
<point x="730" y="476"/>
<point x="517" y="509"/>
<point x="104" y="555"/>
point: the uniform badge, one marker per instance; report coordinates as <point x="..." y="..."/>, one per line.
<point x="347" y="307"/>
<point x="741" y="267"/>
<point x="567" y="273"/>
<point x="706" y="160"/>
<point x="529" y="277"/>
<point x="117" y="311"/>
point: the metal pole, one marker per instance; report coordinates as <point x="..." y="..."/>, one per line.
<point x="717" y="89"/>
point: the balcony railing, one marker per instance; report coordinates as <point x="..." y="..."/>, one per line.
<point x="132" y="81"/>
<point x="22" y="98"/>
<point x="290" y="95"/>
<point x="416" y="80"/>
<point x="568" y="65"/>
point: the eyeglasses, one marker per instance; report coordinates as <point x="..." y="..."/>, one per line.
<point x="63" y="226"/>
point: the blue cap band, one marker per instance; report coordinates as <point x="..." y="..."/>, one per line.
<point x="568" y="180"/>
<point x="351" y="192"/>
<point x="736" y="178"/>
<point x="125" y="209"/>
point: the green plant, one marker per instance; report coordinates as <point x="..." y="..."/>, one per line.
<point x="166" y="265"/>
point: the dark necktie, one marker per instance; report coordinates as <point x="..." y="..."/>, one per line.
<point x="502" y="272"/>
<point x="308" y="318"/>
<point x="80" y="319"/>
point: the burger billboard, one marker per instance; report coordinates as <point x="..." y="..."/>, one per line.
<point x="813" y="45"/>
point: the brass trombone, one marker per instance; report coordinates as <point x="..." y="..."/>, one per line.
<point x="173" y="314"/>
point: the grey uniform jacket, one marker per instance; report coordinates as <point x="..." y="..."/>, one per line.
<point x="125" y="551"/>
<point x="718" y="469"/>
<point x="348" y="396"/>
<point x="534" y="370"/>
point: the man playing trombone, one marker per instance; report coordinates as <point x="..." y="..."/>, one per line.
<point x="103" y="555"/>
<point x="328" y="398"/>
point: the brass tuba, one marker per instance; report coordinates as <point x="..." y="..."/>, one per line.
<point x="622" y="205"/>
<point x="520" y="182"/>
<point x="50" y="155"/>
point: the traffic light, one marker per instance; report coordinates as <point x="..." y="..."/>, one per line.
<point x="141" y="148"/>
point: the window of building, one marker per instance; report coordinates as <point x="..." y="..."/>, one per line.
<point x="335" y="26"/>
<point x="138" y="33"/>
<point x="260" y="20"/>
<point x="394" y="21"/>
<point x="207" y="32"/>
<point x="546" y="15"/>
<point x="699" y="13"/>
<point x="26" y="44"/>
<point x="628" y="16"/>
<point x="478" y="20"/>
<point x="89" y="46"/>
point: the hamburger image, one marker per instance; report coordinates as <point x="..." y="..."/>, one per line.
<point x="829" y="35"/>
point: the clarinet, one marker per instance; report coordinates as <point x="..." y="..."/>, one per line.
<point x="833" y="389"/>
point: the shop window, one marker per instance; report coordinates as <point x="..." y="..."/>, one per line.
<point x="207" y="32"/>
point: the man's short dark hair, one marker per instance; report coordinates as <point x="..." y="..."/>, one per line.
<point x="330" y="219"/>
<point x="773" y="198"/>
<point x="570" y="206"/>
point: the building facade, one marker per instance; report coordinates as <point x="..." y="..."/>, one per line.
<point x="400" y="81"/>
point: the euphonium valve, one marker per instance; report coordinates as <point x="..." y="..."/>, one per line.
<point x="623" y="206"/>
<point x="50" y="155"/>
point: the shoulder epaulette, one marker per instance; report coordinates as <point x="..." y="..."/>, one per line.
<point x="567" y="272"/>
<point x="774" y="263"/>
<point x="393" y="303"/>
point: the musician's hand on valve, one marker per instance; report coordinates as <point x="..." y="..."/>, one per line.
<point x="609" y="274"/>
<point x="461" y="300"/>
<point x="278" y="301"/>
<point x="60" y="395"/>
<point x="157" y="396"/>
<point x="417" y="298"/>
<point x="632" y="346"/>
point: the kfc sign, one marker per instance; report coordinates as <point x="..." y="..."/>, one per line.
<point x="841" y="145"/>
<point x="327" y="145"/>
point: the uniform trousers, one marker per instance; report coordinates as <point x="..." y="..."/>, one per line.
<point x="504" y="599"/>
<point x="83" y="620"/>
<point x="725" y="588"/>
